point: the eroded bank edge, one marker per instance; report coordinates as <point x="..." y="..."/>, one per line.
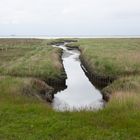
<point x="97" y="80"/>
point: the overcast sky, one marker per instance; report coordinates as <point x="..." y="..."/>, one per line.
<point x="70" y="17"/>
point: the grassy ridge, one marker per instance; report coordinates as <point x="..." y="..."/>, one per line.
<point x="33" y="58"/>
<point x="111" y="57"/>
<point x="128" y="84"/>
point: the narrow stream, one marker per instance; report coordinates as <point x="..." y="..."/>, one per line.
<point x="80" y="93"/>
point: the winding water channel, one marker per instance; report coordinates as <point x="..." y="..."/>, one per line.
<point x="80" y="93"/>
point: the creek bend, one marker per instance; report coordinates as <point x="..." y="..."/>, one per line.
<point x="80" y="94"/>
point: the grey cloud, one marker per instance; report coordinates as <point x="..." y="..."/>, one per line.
<point x="69" y="17"/>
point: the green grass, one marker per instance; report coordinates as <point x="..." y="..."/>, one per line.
<point x="118" y="58"/>
<point x="111" y="57"/>
<point x="30" y="58"/>
<point x="127" y="84"/>
<point x="25" y="116"/>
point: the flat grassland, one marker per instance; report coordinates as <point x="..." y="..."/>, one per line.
<point x="30" y="58"/>
<point x="23" y="116"/>
<point x="111" y="57"/>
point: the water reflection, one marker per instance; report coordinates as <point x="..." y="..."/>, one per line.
<point x="80" y="93"/>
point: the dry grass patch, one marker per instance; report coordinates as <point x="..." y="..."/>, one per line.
<point x="111" y="57"/>
<point x="30" y="57"/>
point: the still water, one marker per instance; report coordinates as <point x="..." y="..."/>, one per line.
<point x="80" y="93"/>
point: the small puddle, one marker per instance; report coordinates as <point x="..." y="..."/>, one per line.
<point x="80" y="94"/>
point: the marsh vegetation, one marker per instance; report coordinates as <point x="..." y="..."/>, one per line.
<point x="25" y="66"/>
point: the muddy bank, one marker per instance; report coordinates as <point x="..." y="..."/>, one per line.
<point x="38" y="88"/>
<point x="99" y="80"/>
<point x="58" y="82"/>
<point x="47" y="87"/>
<point x="96" y="79"/>
<point x="41" y="86"/>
